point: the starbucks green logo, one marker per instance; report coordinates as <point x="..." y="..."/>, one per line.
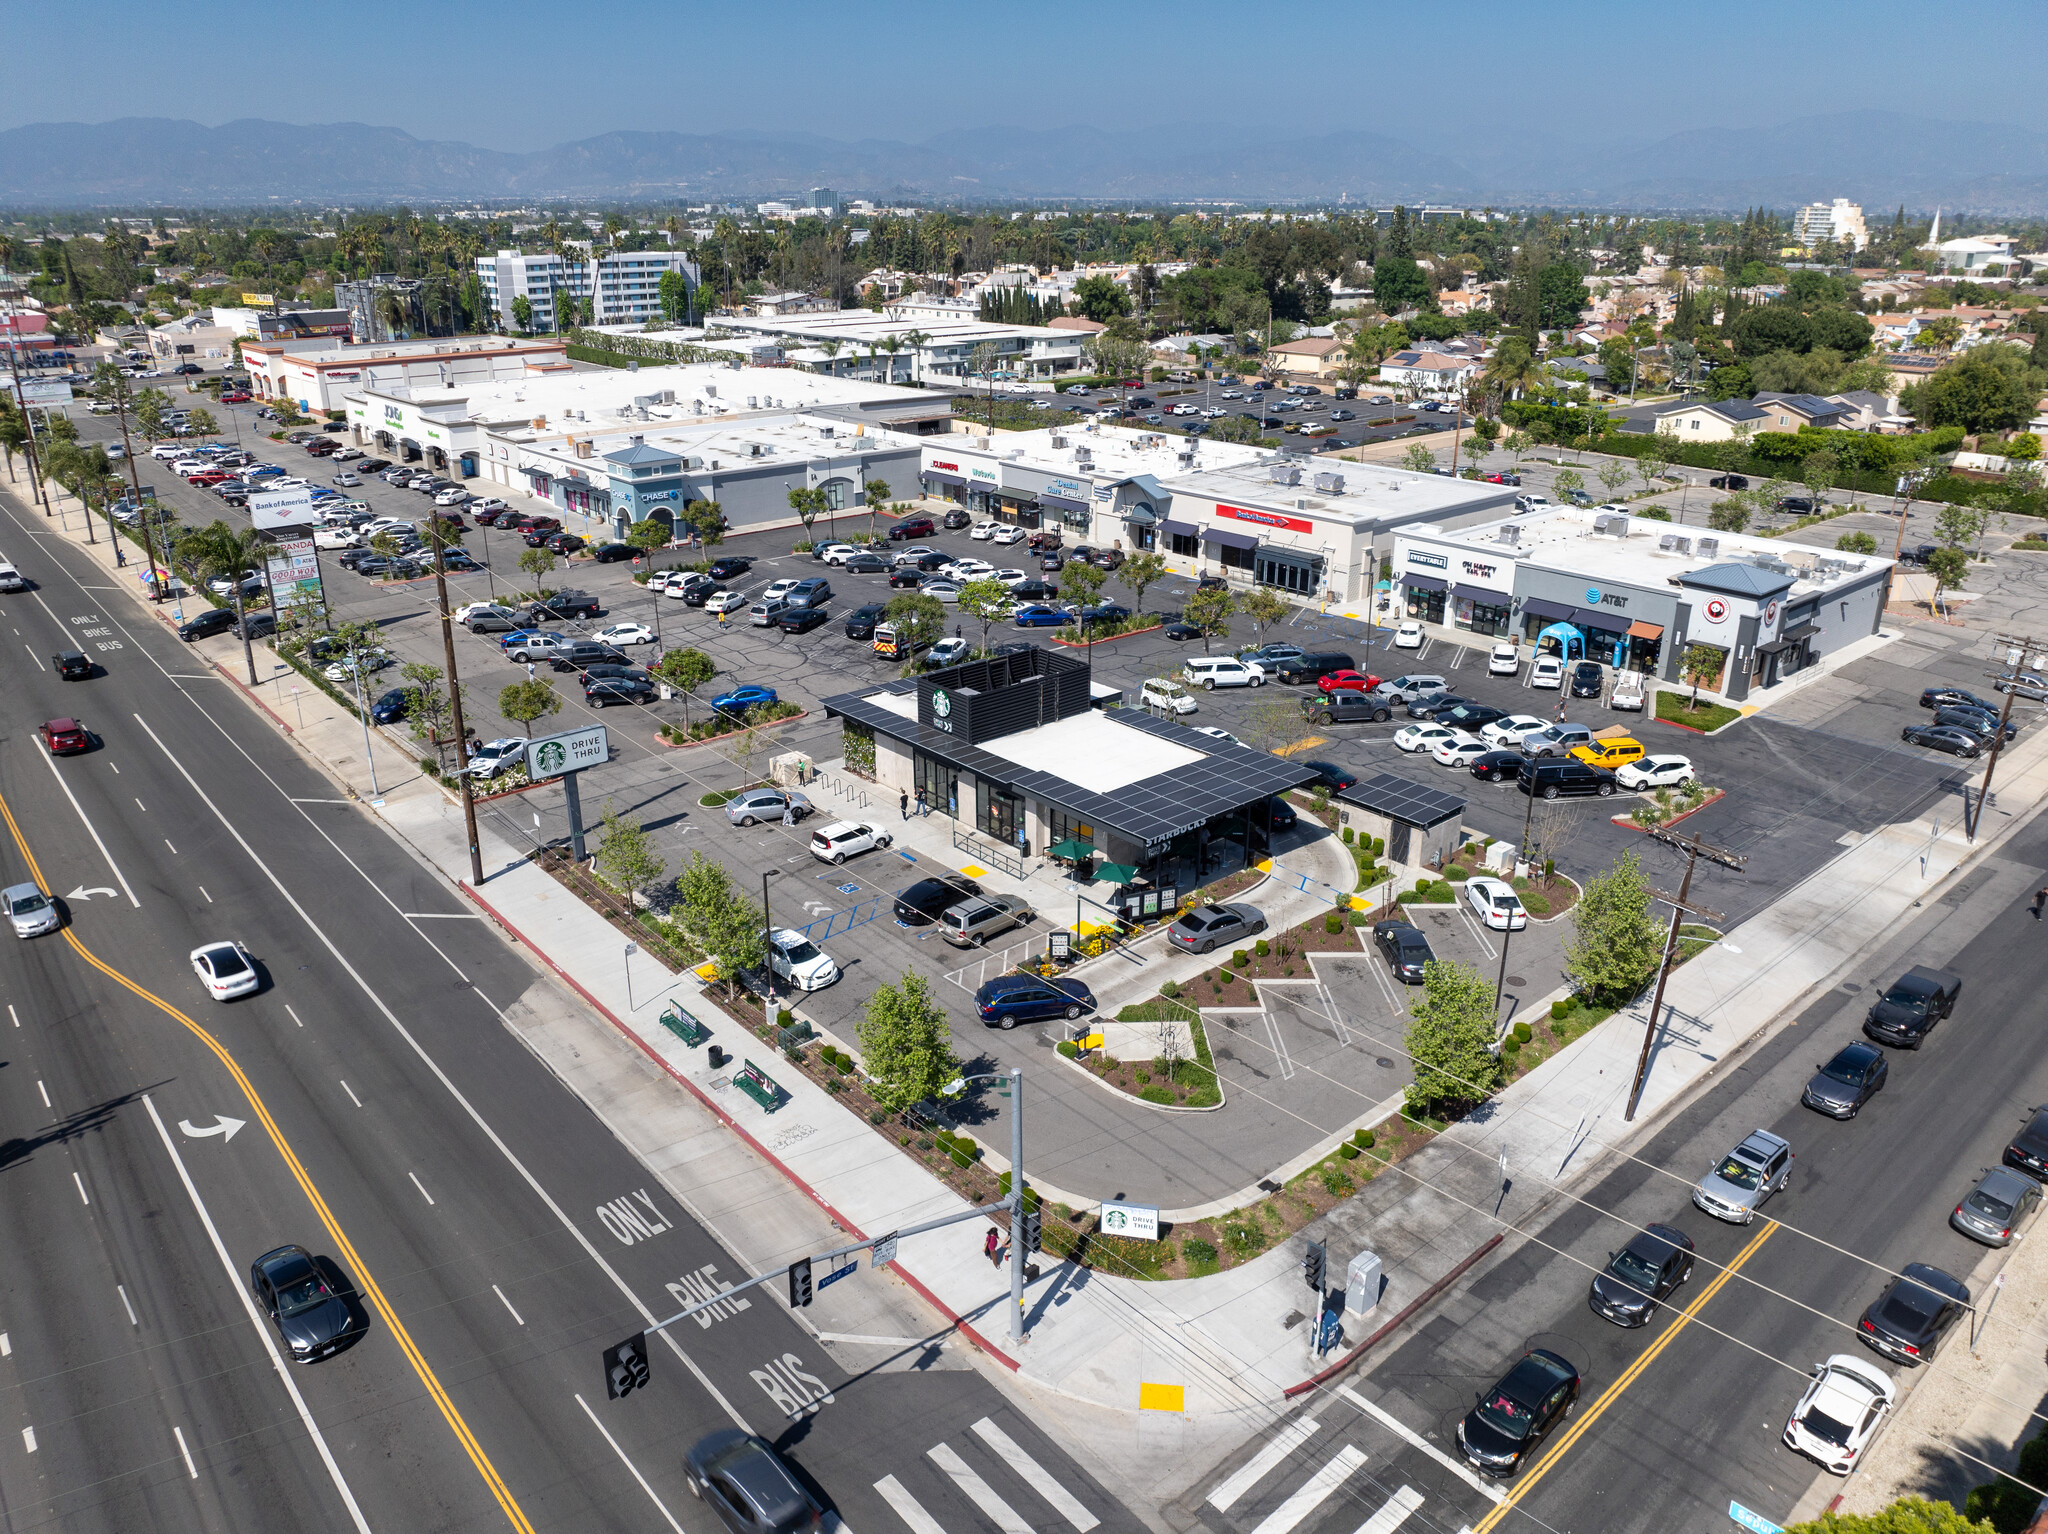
<point x="553" y="756"/>
<point x="941" y="704"/>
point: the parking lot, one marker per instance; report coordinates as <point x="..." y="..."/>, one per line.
<point x="1354" y="420"/>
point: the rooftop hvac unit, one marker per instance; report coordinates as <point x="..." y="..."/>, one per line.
<point x="1708" y="548"/>
<point x="1509" y="533"/>
<point x="642" y="401"/>
<point x="1330" y="484"/>
<point x="1675" y="543"/>
<point x="1285" y="473"/>
<point x="668" y="396"/>
<point x="1612" y="523"/>
<point x="1187" y="458"/>
<point x="753" y="403"/>
<point x="1058" y="441"/>
<point x="693" y="464"/>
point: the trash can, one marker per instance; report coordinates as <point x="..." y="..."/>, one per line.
<point x="1362" y="1282"/>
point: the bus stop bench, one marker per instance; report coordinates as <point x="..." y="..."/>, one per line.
<point x="757" y="1084"/>
<point x="684" y="1026"/>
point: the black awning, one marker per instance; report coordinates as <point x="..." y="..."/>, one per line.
<point x="1229" y="540"/>
<point x="1416" y="582"/>
<point x="1801" y="631"/>
<point x="1540" y="608"/>
<point x="1595" y="618"/>
<point x="1178" y="529"/>
<point x="1481" y="594"/>
<point x="944" y="479"/>
<point x="1062" y="502"/>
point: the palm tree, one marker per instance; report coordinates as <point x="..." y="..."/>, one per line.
<point x="830" y="347"/>
<point x="220" y="550"/>
<point x="1514" y="369"/>
<point x="391" y="310"/>
<point x="892" y="345"/>
<point x="915" y="340"/>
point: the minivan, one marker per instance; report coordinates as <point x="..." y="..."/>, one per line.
<point x="1552" y="780"/>
<point x="815" y="592"/>
<point x="1313" y="666"/>
<point x="1213" y="671"/>
<point x="976" y="921"/>
<point x="766" y="614"/>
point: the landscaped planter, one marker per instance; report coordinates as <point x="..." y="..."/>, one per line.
<point x="710" y="740"/>
<point x="1082" y="644"/>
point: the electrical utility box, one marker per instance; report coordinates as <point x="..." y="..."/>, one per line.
<point x="1362" y="1283"/>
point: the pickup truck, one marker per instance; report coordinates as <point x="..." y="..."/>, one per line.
<point x="1628" y="690"/>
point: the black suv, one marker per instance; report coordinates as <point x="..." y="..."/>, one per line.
<point x="564" y="604"/>
<point x="1554" y="780"/>
<point x="1347" y="705"/>
<point x="860" y="623"/>
<point x="1311" y="667"/>
<point x="588" y="652"/>
<point x="957" y="518"/>
<point x="1907" y="1012"/>
<point x="216" y="620"/>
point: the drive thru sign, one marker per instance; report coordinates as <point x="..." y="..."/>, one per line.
<point x="552" y="755"/>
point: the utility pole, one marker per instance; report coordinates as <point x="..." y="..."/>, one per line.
<point x="438" y="534"/>
<point x="1023" y="1225"/>
<point x="2019" y="649"/>
<point x="1694" y="849"/>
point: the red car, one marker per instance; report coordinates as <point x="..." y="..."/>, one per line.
<point x="237" y="397"/>
<point x="1338" y="681"/>
<point x="209" y="477"/>
<point x="542" y="525"/>
<point x="64" y="737"/>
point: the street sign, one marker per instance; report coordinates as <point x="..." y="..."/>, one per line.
<point x="1753" y="1521"/>
<point x="1139" y="1220"/>
<point x="572" y="751"/>
<point x="838" y="1273"/>
<point x="44" y="392"/>
<point x="281" y="508"/>
<point x="885" y="1250"/>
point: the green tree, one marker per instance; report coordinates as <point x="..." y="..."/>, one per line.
<point x="987" y="602"/>
<point x="650" y="533"/>
<point x="876" y="494"/>
<point x="1560" y="295"/>
<point x="687" y="669"/>
<point x="1418" y="458"/>
<point x="674" y="289"/>
<point x="1101" y="298"/>
<point x="625" y="858"/>
<point x="1566" y="481"/>
<point x="1702" y="667"/>
<point x="218" y="551"/>
<point x="1649" y="464"/>
<point x="427" y="704"/>
<point x="1987" y="388"/>
<point x="1400" y="284"/>
<point x="522" y="314"/>
<point x="525" y="702"/>
<point x="1449" y="1030"/>
<point x="1817" y="471"/>
<point x="1618" y="943"/>
<point x="707" y="520"/>
<point x="1957" y="526"/>
<point x="917" y="616"/>
<point x="2023" y="447"/>
<point x="1514" y="370"/>
<point x="1856" y="543"/>
<point x="202" y="422"/>
<point x="906" y="1044"/>
<point x="1081" y="582"/>
<point x="1476" y="449"/>
<point x="1140" y="572"/>
<point x="807" y="503"/>
<point x="1236" y="428"/>
<point x="538" y="563"/>
<point x="1265" y="607"/>
<point x="720" y="920"/>
<point x="1612" y="474"/>
<point x="1950" y="568"/>
<point x="1208" y="613"/>
<point x="1909" y="1515"/>
<point x="1518" y="444"/>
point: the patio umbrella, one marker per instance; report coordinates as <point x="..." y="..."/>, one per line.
<point x="1116" y="873"/>
<point x="1073" y="849"/>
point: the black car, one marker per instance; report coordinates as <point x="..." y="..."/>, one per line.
<point x="1950" y="697"/>
<point x="1105" y="612"/>
<point x="1511" y="1420"/>
<point x="860" y="623"/>
<point x="71" y="665"/>
<point x="956" y="519"/>
<point x="564" y="604"/>
<point x="2029" y="1149"/>
<point x="1907" y="1322"/>
<point x="1918" y="554"/>
<point x="310" y="1316"/>
<point x="459" y="559"/>
<point x="1406" y="948"/>
<point x="864" y="563"/>
<point x="746" y="1483"/>
<point x="702" y="592"/>
<point x="1037" y="591"/>
<point x="1729" y="482"/>
<point x="1848" y="1081"/>
<point x="1556" y="780"/>
<point x="1176" y="629"/>
<point x="1430" y="705"/>
<point x="398" y="568"/>
<point x="907" y="576"/>
<point x="373" y="466"/>
<point x="392" y="706"/>
<point x="1587" y="679"/>
<point x="726" y="566"/>
<point x="1979" y="722"/>
<point x="1801" y="505"/>
<point x="259" y="625"/>
<point x="614" y="553"/>
<point x="605" y="691"/>
<point x="801" y="620"/>
<point x="1953" y="739"/>
<point x="566" y="543"/>
<point x="1470" y="717"/>
<point x="1643" y="1273"/>
<point x="1280" y="814"/>
<point x="928" y="899"/>
<point x="1329" y="775"/>
<point x="588" y="652"/>
<point x="605" y="669"/>
<point x="1907" y="1012"/>
<point x="216" y="620"/>
<point x="1497" y="766"/>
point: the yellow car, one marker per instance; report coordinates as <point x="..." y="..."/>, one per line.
<point x="1610" y="754"/>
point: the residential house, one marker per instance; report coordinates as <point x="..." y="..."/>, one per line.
<point x="1311" y="356"/>
<point x="1792" y="412"/>
<point x="1702" y="420"/>
<point x="1428" y="372"/>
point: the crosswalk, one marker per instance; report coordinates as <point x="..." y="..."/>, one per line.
<point x="956" y="1473"/>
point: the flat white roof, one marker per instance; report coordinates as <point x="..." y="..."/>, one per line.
<point x="1371" y="493"/>
<point x="1091" y="749"/>
<point x="599" y="398"/>
<point x="1114" y="452"/>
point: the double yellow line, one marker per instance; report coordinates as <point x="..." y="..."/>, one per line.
<point x="357" y="1266"/>
<point x="1613" y="1392"/>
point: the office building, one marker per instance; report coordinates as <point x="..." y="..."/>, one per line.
<point x="612" y="287"/>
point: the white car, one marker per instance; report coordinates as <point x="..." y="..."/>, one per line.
<point x="454" y="495"/>
<point x="387" y="525"/>
<point x="1656" y="772"/>
<point x="1217" y="732"/>
<point x="847" y="838"/>
<point x="341" y="537"/>
<point x="948" y="652"/>
<point x="726" y="602"/>
<point x="801" y="962"/>
<point x="225" y="970"/>
<point x="969" y="569"/>
<point x="777" y="590"/>
<point x="1457" y="752"/>
<point x="469" y="610"/>
<point x="1009" y="535"/>
<point x="376" y="658"/>
<point x="1840" y="1413"/>
<point x="1548" y="671"/>
<point x="1424" y="736"/>
<point x="1214" y="413"/>
<point x="625" y="633"/>
<point x="1408" y="636"/>
<point x="1503" y="660"/>
<point x="1496" y="903"/>
<point x="981" y="532"/>
<point x="1231" y="394"/>
<point x="345" y="478"/>
<point x="836" y="553"/>
<point x="168" y="452"/>
<point x="496" y="756"/>
<point x="1506" y="734"/>
<point x="1160" y="693"/>
<point x="344" y="454"/>
<point x="190" y="466"/>
<point x="493" y="504"/>
<point x="1010" y="577"/>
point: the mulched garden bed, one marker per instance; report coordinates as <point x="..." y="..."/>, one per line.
<point x="1712" y="796"/>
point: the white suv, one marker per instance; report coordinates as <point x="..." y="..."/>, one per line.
<point x="846" y="838"/>
<point x="1160" y="693"/>
<point x="1214" y="671"/>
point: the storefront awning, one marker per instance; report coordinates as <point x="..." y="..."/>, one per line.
<point x="1061" y="503"/>
<point x="1641" y="630"/>
<point x="1416" y="582"/>
<point x="1801" y="631"/>
<point x="943" y="479"/>
<point x="1481" y="595"/>
<point x="1594" y="618"/>
<point x="1178" y="529"/>
<point x="1540" y="608"/>
<point x="1229" y="540"/>
<point x="1138" y="514"/>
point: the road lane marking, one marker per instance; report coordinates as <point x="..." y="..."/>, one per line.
<point x="202" y="890"/>
<point x="122" y="1290"/>
<point x="1394" y="1514"/>
<point x="180" y="1435"/>
<point x="257" y="1320"/>
<point x="92" y="830"/>
<point x="1313" y="1492"/>
<point x="415" y="1178"/>
<point x="6" y="1346"/>
<point x="1402" y="1430"/>
<point x="908" y="1508"/>
<point x="83" y="1197"/>
<point x="1254" y="1470"/>
<point x="983" y="1495"/>
<point x="46" y="1095"/>
<point x="634" y="1469"/>
<point x="13" y="1014"/>
<point x="167" y="843"/>
<point x="28" y="1439"/>
<point x="508" y="1304"/>
<point x="1036" y="1476"/>
<point x="357" y="1101"/>
<point x="1628" y="1378"/>
<point x="294" y="1015"/>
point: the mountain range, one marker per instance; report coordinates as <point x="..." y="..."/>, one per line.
<point x="1878" y="158"/>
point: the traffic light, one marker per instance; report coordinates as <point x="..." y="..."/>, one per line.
<point x="625" y="1365"/>
<point x="800" y="1283"/>
<point x="1031" y="1218"/>
<point x="1314" y="1264"/>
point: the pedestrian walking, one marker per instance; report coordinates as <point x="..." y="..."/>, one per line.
<point x="923" y="809"/>
<point x="789" y="812"/>
<point x="2040" y="900"/>
<point x="1559" y="714"/>
<point x="529" y="671"/>
<point x="990" y="1245"/>
<point x="903" y="803"/>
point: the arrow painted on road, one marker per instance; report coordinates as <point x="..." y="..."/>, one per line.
<point x="816" y="905"/>
<point x="223" y="1126"/>
<point x="82" y="893"/>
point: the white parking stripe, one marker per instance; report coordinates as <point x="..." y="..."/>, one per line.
<point x="908" y="1508"/>
<point x="1036" y="1476"/>
<point x="1313" y="1492"/>
<point x="1394" y="1514"/>
<point x="1254" y="1470"/>
<point x="1464" y="1473"/>
<point x="999" y="1512"/>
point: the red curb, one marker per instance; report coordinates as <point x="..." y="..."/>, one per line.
<point x="1675" y="725"/>
<point x="726" y="1119"/>
<point x="228" y="676"/>
<point x="1414" y="1305"/>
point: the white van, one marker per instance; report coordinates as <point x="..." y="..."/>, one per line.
<point x="1213" y="671"/>
<point x="1158" y="692"/>
<point x="10" y="578"/>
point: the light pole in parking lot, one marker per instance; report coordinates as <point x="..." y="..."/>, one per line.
<point x="767" y="936"/>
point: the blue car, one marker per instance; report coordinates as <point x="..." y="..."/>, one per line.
<point x="1012" y="999"/>
<point x="391" y="708"/>
<point x="740" y="699"/>
<point x="263" y="471"/>
<point x="1040" y="617"/>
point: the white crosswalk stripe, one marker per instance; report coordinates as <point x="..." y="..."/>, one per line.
<point x="1313" y="1492"/>
<point x="1036" y="1476"/>
<point x="908" y="1508"/>
<point x="1394" y="1514"/>
<point x="1464" y="1472"/>
<point x="1290" y="1437"/>
<point x="979" y="1491"/>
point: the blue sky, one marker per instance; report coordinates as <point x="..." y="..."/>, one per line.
<point x="517" y="75"/>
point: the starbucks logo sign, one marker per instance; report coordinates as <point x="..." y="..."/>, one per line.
<point x="941" y="704"/>
<point x="551" y="756"/>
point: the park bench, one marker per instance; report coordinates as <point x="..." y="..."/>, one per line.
<point x="757" y="1084"/>
<point x="684" y="1026"/>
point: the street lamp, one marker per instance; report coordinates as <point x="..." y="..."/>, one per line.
<point x="768" y="931"/>
<point x="1013" y="1089"/>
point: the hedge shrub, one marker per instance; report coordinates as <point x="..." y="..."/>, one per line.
<point x="1068" y="1049"/>
<point x="1364" y="1139"/>
<point x="1524" y="1033"/>
<point x="1240" y="958"/>
<point x="1348" y="1151"/>
<point x="1262" y="948"/>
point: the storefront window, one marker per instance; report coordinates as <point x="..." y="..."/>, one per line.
<point x="1482" y="618"/>
<point x="1235" y="559"/>
<point x="937" y="782"/>
<point x="1426" y="605"/>
<point x="1287" y="573"/>
<point x="835" y="494"/>
<point x="1184" y="544"/>
<point x="997" y="812"/>
<point x="1063" y="827"/>
<point x="1142" y="538"/>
